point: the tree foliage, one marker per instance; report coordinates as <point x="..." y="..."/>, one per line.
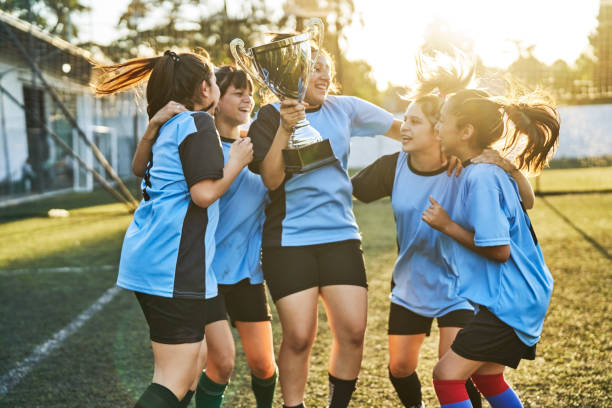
<point x="53" y="16"/>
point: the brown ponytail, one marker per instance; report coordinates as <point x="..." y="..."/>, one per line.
<point x="170" y="77"/>
<point x="528" y="125"/>
<point x="443" y="74"/>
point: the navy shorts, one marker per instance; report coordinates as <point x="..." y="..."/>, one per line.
<point x="291" y="269"/>
<point x="486" y="338"/>
<point x="405" y="322"/>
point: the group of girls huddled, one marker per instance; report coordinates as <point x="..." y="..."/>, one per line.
<point x="210" y="230"/>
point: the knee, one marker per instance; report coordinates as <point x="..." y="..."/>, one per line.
<point x="263" y="367"/>
<point x="439" y="373"/>
<point x="351" y="336"/>
<point x="402" y="368"/>
<point x="222" y="364"/>
<point x="298" y="342"/>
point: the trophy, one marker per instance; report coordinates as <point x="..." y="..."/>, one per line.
<point x="284" y="67"/>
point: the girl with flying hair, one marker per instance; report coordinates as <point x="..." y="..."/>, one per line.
<point x="422" y="284"/>
<point x="169" y="246"/>
<point x="489" y="243"/>
<point x="236" y="263"/>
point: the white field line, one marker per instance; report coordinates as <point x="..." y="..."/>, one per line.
<point x="23" y="368"/>
<point x="65" y="269"/>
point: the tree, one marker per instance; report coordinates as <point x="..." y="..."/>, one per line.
<point x="153" y="26"/>
<point x="601" y="40"/>
<point x="53" y="16"/>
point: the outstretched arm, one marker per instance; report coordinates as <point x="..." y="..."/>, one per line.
<point x="437" y="218"/>
<point x="492" y="156"/>
<point x="145" y="146"/>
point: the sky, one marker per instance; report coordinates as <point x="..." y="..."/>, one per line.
<point x="392" y="30"/>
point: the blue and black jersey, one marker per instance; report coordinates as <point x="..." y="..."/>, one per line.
<point x="517" y="291"/>
<point x="422" y="282"/>
<point x="238" y="236"/>
<point x="316" y="207"/>
<point x="169" y="246"/>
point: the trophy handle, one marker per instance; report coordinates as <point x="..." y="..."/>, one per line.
<point x="241" y="55"/>
<point x="310" y="25"/>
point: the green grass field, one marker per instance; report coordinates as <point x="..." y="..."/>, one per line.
<point x="108" y="361"/>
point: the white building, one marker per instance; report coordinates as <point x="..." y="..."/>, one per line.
<point x="31" y="163"/>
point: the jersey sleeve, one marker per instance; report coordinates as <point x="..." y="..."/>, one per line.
<point x="485" y="211"/>
<point x="376" y="180"/>
<point x="262" y="132"/>
<point x="201" y="152"/>
<point x="368" y="119"/>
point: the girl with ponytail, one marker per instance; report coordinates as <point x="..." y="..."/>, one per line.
<point x="423" y="284"/>
<point x="169" y="246"/>
<point x="489" y="244"/>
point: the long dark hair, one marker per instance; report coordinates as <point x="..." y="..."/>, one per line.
<point x="170" y="77"/>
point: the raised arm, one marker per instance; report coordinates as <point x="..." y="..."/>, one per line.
<point x="273" y="164"/>
<point x="394" y="131"/>
<point x="142" y="156"/>
<point x="207" y="191"/>
<point x="492" y="156"/>
<point x="437" y="218"/>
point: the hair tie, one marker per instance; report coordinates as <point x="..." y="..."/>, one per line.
<point x="172" y="55"/>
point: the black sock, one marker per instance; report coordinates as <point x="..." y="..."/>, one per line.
<point x="186" y="399"/>
<point x="473" y="394"/>
<point x="264" y="390"/>
<point x="340" y="392"/>
<point x="157" y="396"/>
<point x="408" y="389"/>
<point x="295" y="406"/>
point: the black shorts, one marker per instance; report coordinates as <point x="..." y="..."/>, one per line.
<point x="486" y="338"/>
<point x="404" y="322"/>
<point x="172" y="320"/>
<point x="215" y="309"/>
<point x="289" y="270"/>
<point x="246" y="302"/>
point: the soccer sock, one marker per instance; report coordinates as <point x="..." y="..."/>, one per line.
<point x="408" y="389"/>
<point x="452" y="394"/>
<point x="209" y="394"/>
<point x="186" y="399"/>
<point x="157" y="396"/>
<point x="497" y="391"/>
<point x="473" y="394"/>
<point x="264" y="390"/>
<point x="295" y="406"/>
<point x="340" y="392"/>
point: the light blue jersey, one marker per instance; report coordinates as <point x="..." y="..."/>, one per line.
<point x="170" y="244"/>
<point x="316" y="207"/>
<point x="517" y="291"/>
<point x="238" y="235"/>
<point x="422" y="281"/>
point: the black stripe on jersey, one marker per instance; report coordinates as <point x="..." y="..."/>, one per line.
<point x="276" y="211"/>
<point x="262" y="132"/>
<point x="189" y="277"/>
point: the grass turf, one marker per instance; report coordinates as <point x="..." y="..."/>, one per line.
<point x="108" y="362"/>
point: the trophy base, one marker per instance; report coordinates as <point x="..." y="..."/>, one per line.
<point x="309" y="157"/>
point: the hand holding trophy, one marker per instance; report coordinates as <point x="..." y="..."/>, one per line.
<point x="284" y="67"/>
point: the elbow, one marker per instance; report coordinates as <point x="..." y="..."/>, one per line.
<point x="204" y="199"/>
<point x="138" y="172"/>
<point x="501" y="253"/>
<point x="529" y="204"/>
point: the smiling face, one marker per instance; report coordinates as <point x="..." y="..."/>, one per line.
<point x="319" y="82"/>
<point x="417" y="132"/>
<point x="236" y="105"/>
<point x="449" y="133"/>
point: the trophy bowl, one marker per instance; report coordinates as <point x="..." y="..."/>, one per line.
<point x="284" y="67"/>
